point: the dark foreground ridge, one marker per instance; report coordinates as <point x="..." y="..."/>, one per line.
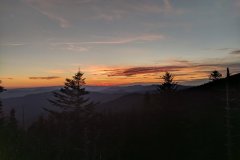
<point x="234" y="82"/>
<point x="187" y="124"/>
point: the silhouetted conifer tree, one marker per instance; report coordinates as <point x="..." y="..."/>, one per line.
<point x="228" y="119"/>
<point x="71" y="96"/>
<point x="168" y="84"/>
<point x="2" y="88"/>
<point x="215" y="75"/>
<point x="1" y="109"/>
<point x="75" y="122"/>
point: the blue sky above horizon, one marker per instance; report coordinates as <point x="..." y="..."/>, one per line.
<point x="117" y="41"/>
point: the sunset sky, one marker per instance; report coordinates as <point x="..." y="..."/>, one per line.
<point x="116" y="42"/>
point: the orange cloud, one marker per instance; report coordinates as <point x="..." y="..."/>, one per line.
<point x="24" y="82"/>
<point x="142" y="70"/>
<point x="183" y="70"/>
<point x="45" y="78"/>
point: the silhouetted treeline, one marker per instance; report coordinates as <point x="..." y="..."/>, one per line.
<point x="179" y="125"/>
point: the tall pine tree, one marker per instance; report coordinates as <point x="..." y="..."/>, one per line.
<point x="215" y="75"/>
<point x="168" y="84"/>
<point x="71" y="96"/>
<point x="77" y="116"/>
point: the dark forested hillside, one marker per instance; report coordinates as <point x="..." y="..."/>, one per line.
<point x="181" y="125"/>
<point x="32" y="105"/>
<point x="32" y="101"/>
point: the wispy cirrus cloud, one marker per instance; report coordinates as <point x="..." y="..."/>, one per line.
<point x="46" y="8"/>
<point x="63" y="22"/>
<point x="134" y="7"/>
<point x="71" y="47"/>
<point x="126" y="40"/>
<point x="120" y="9"/>
<point x="225" y="49"/>
<point x="44" y="78"/>
<point x="98" y="9"/>
<point x="12" y="44"/>
<point x="85" y="46"/>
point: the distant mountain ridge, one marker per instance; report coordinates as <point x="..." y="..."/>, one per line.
<point x="134" y="100"/>
<point x="32" y="105"/>
<point x="21" y="92"/>
<point x="114" y="98"/>
<point x="137" y="89"/>
<point x="33" y="100"/>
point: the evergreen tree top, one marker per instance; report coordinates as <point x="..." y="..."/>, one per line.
<point x="2" y="88"/>
<point x="168" y="85"/>
<point x="71" y="96"/>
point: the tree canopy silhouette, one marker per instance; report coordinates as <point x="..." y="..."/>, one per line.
<point x="71" y="96"/>
<point x="1" y="110"/>
<point x="168" y="84"/>
<point x="215" y="75"/>
<point x="228" y="73"/>
<point x="2" y="88"/>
